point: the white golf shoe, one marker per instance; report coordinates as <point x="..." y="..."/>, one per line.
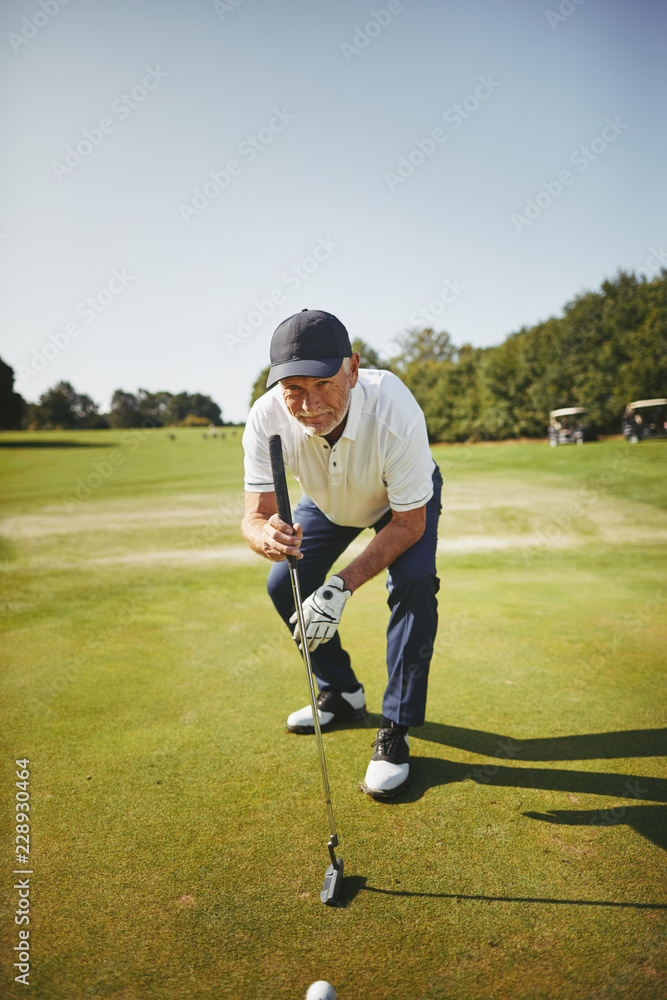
<point x="389" y="770"/>
<point x="332" y="705"/>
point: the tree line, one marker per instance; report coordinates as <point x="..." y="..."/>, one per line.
<point x="62" y="407"/>
<point x="609" y="347"/>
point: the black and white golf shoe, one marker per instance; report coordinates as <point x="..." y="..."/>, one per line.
<point x="389" y="770"/>
<point x="332" y="706"/>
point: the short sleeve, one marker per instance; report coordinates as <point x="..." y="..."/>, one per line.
<point x="408" y="469"/>
<point x="258" y="477"/>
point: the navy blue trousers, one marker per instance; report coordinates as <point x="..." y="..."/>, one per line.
<point x="412" y="585"/>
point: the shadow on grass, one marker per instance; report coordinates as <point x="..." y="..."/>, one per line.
<point x="430" y="771"/>
<point x="498" y="899"/>
<point x="587" y="746"/>
<point x="354" y="884"/>
<point x="649" y="821"/>
<point x="368" y="720"/>
<point x="427" y="772"/>
<point x="57" y="444"/>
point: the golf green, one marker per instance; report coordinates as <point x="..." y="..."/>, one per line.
<point x="177" y="831"/>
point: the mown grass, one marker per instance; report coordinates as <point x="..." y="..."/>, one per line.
<point x="179" y="832"/>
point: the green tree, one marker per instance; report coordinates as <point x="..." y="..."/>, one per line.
<point x="369" y="357"/>
<point x="162" y="409"/>
<point x="608" y="348"/>
<point x="153" y="407"/>
<point x="259" y="385"/>
<point x="420" y="346"/>
<point x="13" y="407"/>
<point x="124" y="410"/>
<point x="63" y="408"/>
<point x="425" y="364"/>
<point x="203" y="407"/>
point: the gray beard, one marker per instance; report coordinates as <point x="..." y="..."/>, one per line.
<point x="332" y="423"/>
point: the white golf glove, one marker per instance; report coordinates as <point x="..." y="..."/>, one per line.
<point x="322" y="612"/>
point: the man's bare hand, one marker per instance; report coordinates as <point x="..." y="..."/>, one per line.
<point x="279" y="540"/>
<point x="265" y="531"/>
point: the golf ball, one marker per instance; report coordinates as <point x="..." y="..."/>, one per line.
<point x="321" y="990"/>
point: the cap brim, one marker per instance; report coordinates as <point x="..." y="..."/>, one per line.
<point x="314" y="368"/>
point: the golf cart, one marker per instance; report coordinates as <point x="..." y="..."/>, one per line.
<point x="569" y="425"/>
<point x="645" y="418"/>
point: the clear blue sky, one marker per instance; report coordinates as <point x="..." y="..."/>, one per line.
<point x="314" y="116"/>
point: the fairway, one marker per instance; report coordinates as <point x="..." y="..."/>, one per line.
<point x="178" y="831"/>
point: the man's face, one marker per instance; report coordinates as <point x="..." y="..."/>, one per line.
<point x="320" y="404"/>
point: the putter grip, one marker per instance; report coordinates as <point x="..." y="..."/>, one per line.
<point x="280" y="483"/>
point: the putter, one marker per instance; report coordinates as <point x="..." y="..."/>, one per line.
<point x="333" y="876"/>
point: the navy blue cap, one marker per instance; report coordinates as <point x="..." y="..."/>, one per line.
<point x="311" y="344"/>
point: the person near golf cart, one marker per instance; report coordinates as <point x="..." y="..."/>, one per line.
<point x="356" y="441"/>
<point x="569" y="425"/>
<point x="645" y="418"/>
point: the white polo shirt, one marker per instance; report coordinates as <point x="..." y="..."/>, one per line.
<point x="382" y="459"/>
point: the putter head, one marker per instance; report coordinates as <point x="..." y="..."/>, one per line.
<point x="333" y="879"/>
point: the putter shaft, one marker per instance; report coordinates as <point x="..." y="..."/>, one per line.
<point x="305" y="652"/>
<point x="334" y="873"/>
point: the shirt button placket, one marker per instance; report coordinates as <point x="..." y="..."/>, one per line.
<point x="335" y="477"/>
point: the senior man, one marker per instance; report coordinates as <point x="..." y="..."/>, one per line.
<point x="356" y="441"/>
